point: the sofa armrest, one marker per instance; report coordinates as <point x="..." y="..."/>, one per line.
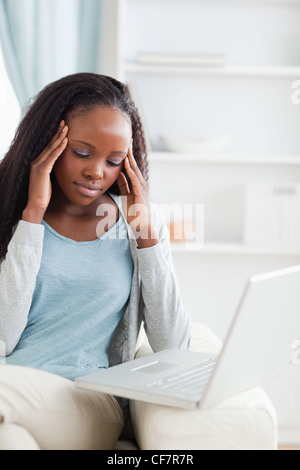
<point x="202" y="340"/>
<point x="245" y="421"/>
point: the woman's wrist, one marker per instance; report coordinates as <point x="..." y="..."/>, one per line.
<point x="147" y="238"/>
<point x="33" y="216"/>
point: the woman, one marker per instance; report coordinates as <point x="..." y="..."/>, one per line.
<point x="85" y="261"/>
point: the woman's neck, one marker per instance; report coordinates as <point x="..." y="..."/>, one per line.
<point x="80" y="223"/>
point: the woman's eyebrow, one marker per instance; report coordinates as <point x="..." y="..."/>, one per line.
<point x="118" y="153"/>
<point x="84" y="143"/>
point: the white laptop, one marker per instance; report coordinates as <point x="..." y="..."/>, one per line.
<point x="258" y="347"/>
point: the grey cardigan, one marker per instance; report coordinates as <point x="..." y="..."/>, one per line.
<point x="154" y="300"/>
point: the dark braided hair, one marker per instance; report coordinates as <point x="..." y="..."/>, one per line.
<point x="77" y="93"/>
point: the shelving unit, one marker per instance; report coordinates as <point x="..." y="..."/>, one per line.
<point x="232" y="249"/>
<point x="288" y="71"/>
<point x="283" y="160"/>
<point x="249" y="98"/>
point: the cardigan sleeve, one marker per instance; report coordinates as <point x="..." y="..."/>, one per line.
<point x="167" y="322"/>
<point x="18" y="271"/>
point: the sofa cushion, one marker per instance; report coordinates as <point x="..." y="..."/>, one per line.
<point x="245" y="421"/>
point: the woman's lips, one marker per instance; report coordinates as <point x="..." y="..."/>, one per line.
<point x="89" y="190"/>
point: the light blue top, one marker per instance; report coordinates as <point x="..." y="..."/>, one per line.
<point x="81" y="293"/>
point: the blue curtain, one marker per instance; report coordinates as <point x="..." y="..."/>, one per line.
<point x="43" y="40"/>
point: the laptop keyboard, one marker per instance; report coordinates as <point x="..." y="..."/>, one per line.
<point x="190" y="382"/>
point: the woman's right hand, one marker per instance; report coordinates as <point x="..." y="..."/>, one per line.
<point x="40" y="188"/>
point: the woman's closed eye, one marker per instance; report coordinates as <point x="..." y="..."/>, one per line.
<point x="84" y="153"/>
<point x="81" y="153"/>
<point x="114" y="163"/>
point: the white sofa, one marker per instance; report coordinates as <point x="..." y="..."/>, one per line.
<point x="247" y="421"/>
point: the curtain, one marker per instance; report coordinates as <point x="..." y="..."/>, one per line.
<point x="43" y="40"/>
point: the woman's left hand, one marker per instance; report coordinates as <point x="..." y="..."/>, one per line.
<point x="136" y="203"/>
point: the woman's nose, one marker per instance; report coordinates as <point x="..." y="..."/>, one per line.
<point x="94" y="171"/>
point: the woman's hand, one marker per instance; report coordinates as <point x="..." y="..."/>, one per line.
<point x="40" y="188"/>
<point x="136" y="203"/>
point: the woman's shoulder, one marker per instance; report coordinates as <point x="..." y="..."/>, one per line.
<point x="27" y="233"/>
<point x="156" y="212"/>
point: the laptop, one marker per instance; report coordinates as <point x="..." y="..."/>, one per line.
<point x="258" y="346"/>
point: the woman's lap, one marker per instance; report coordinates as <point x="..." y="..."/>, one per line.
<point x="55" y="413"/>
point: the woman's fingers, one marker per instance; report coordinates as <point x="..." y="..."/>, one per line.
<point x="134" y="167"/>
<point x="123" y="184"/>
<point x="55" y="147"/>
<point x="56" y="153"/>
<point x="57" y="143"/>
<point x="135" y="181"/>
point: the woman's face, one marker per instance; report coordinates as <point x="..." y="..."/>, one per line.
<point x="98" y="142"/>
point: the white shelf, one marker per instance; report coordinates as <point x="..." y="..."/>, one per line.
<point x="285" y="2"/>
<point x="232" y="249"/>
<point x="165" y="157"/>
<point x="250" y="71"/>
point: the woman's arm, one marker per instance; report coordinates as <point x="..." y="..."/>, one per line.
<point x="19" y="269"/>
<point x="167" y="323"/>
<point x="18" y="273"/>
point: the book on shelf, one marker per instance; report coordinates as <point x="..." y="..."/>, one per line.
<point x="133" y="93"/>
<point x="204" y="60"/>
<point x="272" y="214"/>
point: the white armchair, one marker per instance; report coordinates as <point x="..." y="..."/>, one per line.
<point x="243" y="422"/>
